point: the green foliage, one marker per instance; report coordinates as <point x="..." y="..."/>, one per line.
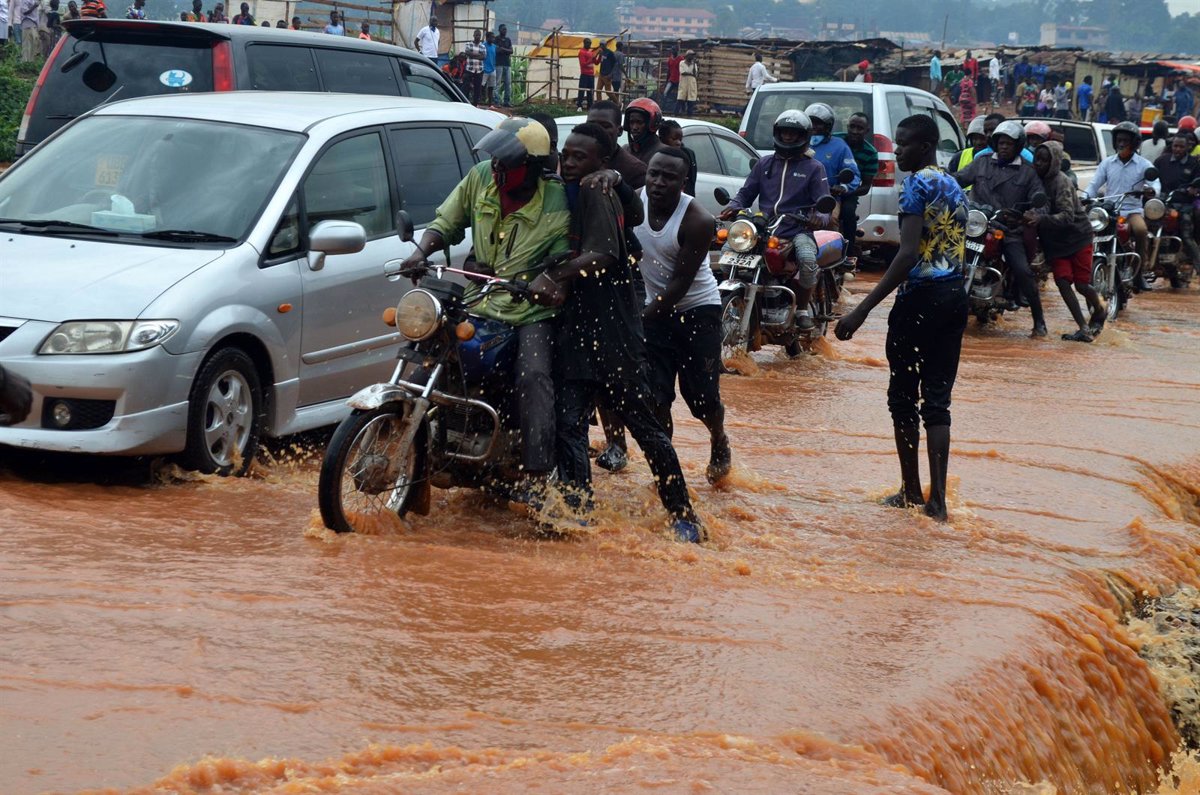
<point x="16" y="83"/>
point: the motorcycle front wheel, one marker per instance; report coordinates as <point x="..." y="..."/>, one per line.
<point x="734" y="344"/>
<point x="1104" y="287"/>
<point x="370" y="472"/>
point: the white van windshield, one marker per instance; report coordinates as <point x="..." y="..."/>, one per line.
<point x="152" y="177"/>
<point x="770" y="104"/>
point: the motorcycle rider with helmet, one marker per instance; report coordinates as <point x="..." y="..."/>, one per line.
<point x="519" y="219"/>
<point x="976" y="142"/>
<point x="1002" y="179"/>
<point x="1123" y="173"/>
<point x="1177" y="170"/>
<point x="833" y="153"/>
<point x="642" y="119"/>
<point x="1036" y="133"/>
<point x="789" y="180"/>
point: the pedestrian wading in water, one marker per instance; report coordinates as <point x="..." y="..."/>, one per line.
<point x="926" y="325"/>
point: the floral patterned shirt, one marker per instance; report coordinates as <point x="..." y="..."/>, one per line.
<point x="935" y="196"/>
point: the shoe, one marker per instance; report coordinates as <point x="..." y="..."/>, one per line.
<point x="1039" y="331"/>
<point x="720" y="461"/>
<point x="1142" y="285"/>
<point x="804" y="322"/>
<point x="614" y="459"/>
<point x="1083" y="335"/>
<point x="688" y="532"/>
<point x="531" y="493"/>
<point x="1098" y="318"/>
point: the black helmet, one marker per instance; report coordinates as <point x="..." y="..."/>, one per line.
<point x="792" y="120"/>
<point x="821" y="112"/>
<point x="1130" y="128"/>
<point x="1009" y="129"/>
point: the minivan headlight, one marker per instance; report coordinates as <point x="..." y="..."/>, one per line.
<point x="1098" y="218"/>
<point x="107" y="336"/>
<point x="977" y="222"/>
<point x="418" y="315"/>
<point x="742" y="236"/>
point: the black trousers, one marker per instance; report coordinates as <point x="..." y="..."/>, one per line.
<point x="686" y="346"/>
<point x="535" y="395"/>
<point x="629" y="400"/>
<point x="849" y="221"/>
<point x="1017" y="258"/>
<point x="924" y="340"/>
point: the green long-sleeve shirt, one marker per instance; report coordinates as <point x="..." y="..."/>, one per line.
<point x="510" y="245"/>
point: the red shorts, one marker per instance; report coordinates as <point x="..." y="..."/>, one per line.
<point x="1076" y="268"/>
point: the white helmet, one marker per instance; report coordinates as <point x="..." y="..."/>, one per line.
<point x="821" y="112"/>
<point x="977" y="127"/>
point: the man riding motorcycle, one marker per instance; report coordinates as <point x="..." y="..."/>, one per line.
<point x="519" y="220"/>
<point x="1002" y="179"/>
<point x="1123" y="173"/>
<point x="833" y="153"/>
<point x="790" y="180"/>
<point x="1177" y="170"/>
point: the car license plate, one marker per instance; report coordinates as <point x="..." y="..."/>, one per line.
<point x="109" y="169"/>
<point x="732" y="259"/>
<point x="973" y="246"/>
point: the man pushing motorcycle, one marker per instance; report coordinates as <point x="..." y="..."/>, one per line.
<point x="790" y="180"/>
<point x="519" y="222"/>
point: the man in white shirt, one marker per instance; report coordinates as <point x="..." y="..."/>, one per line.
<point x="758" y="75"/>
<point x="428" y="40"/>
<point x="1124" y="173"/>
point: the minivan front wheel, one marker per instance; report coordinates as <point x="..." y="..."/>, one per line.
<point x="224" y="415"/>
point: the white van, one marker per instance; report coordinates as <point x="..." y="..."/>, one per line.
<point x="886" y="106"/>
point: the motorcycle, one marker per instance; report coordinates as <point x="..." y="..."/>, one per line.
<point x="1115" y="262"/>
<point x="1166" y="246"/>
<point x="758" y="307"/>
<point x="447" y="416"/>
<point x="988" y="282"/>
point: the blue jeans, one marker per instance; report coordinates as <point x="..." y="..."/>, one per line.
<point x="504" y="84"/>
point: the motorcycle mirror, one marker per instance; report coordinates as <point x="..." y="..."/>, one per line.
<point x="826" y="204"/>
<point x="845" y="176"/>
<point x="404" y="226"/>
<point x="98" y="77"/>
<point x="722" y="196"/>
<point x="1150" y="174"/>
<point x="73" y="61"/>
<point x="1039" y="200"/>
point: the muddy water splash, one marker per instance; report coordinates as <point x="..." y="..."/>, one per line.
<point x="206" y="636"/>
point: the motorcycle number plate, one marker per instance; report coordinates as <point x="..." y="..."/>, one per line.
<point x="1103" y="239"/>
<point x="735" y="260"/>
<point x="973" y="246"/>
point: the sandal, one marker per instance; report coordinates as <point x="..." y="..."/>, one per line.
<point x="1096" y="321"/>
<point x="1083" y="335"/>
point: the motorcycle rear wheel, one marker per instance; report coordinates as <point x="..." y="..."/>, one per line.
<point x="368" y="474"/>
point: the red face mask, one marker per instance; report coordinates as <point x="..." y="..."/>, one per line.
<point x="511" y="179"/>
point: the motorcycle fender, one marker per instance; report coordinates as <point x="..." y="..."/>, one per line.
<point x="376" y="395"/>
<point x="730" y="286"/>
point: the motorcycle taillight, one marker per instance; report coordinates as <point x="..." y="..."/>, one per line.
<point x="776" y="261"/>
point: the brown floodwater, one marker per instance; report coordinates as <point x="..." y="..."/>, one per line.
<point x="166" y="634"/>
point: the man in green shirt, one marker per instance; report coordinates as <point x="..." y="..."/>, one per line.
<point x="519" y="222"/>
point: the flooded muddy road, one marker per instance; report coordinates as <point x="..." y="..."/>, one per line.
<point x="208" y="636"/>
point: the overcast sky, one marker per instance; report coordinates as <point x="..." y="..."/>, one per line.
<point x="1184" y="6"/>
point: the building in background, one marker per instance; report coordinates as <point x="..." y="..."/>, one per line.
<point x="665" y="22"/>
<point x="1089" y="38"/>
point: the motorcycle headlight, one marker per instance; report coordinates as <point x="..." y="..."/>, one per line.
<point x="743" y="236"/>
<point x="418" y="315"/>
<point x="977" y="223"/>
<point x="107" y="336"/>
<point x="1154" y="209"/>
<point x="1098" y="218"/>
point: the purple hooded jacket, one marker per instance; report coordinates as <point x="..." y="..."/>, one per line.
<point x="785" y="186"/>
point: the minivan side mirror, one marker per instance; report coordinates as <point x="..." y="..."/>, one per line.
<point x="721" y="195"/>
<point x="404" y="226"/>
<point x="333" y="238"/>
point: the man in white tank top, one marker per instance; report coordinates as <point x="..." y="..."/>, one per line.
<point x="682" y="318"/>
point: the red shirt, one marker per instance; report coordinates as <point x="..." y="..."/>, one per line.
<point x="587" y="63"/>
<point x="971" y="67"/>
<point x="673" y="68"/>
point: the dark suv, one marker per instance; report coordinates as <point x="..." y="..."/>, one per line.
<point x="98" y="60"/>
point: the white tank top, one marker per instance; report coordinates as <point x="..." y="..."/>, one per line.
<point x="660" y="255"/>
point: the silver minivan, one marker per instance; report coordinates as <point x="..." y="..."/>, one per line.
<point x="886" y="106"/>
<point x="191" y="273"/>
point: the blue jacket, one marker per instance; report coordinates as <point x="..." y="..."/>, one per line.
<point x="782" y="185"/>
<point x="1026" y="154"/>
<point x="835" y="154"/>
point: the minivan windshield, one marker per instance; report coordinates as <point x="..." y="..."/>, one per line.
<point x="181" y="180"/>
<point x="142" y="67"/>
<point x="769" y="104"/>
